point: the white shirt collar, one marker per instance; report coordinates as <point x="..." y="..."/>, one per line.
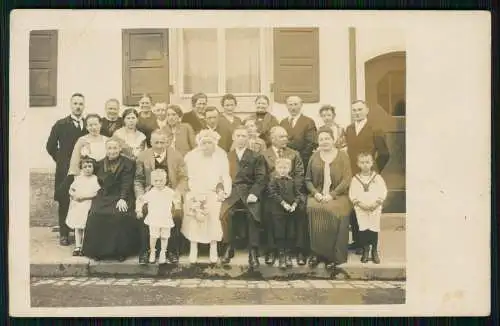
<point x="161" y="157"/>
<point x="75" y="118"/>
<point x="160" y="123"/>
<point x="358" y="125"/>
<point x="240" y="152"/>
<point x="276" y="150"/>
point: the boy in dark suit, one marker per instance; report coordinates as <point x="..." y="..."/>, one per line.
<point x="62" y="140"/>
<point x="286" y="200"/>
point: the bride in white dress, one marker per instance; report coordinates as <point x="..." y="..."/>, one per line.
<point x="209" y="184"/>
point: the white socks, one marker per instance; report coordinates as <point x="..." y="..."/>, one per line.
<point x="193" y="252"/>
<point x="213" y="252"/>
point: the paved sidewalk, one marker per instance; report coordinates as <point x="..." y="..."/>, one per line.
<point x="48" y="259"/>
<point x="199" y="283"/>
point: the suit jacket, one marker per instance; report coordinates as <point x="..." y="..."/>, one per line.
<point x="108" y="127"/>
<point x="370" y="139"/>
<point x="62" y="139"/>
<point x="192" y="119"/>
<point x="184" y="138"/>
<point x="283" y="189"/>
<point x="145" y="164"/>
<point x="302" y="137"/>
<point x="249" y="177"/>
<point x="231" y="125"/>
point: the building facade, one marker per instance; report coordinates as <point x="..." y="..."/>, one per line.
<point x="121" y="59"/>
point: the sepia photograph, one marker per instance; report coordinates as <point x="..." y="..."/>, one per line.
<point x="174" y="163"/>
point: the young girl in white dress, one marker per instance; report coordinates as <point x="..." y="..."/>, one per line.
<point x="160" y="200"/>
<point x="84" y="187"/>
<point x="368" y="193"/>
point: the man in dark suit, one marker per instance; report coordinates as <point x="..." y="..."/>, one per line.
<point x="112" y="120"/>
<point x="363" y="136"/>
<point x="161" y="156"/>
<point x="248" y="173"/>
<point x="279" y="149"/>
<point x="215" y="123"/>
<point x="62" y="140"/>
<point x="196" y="116"/>
<point x="301" y="129"/>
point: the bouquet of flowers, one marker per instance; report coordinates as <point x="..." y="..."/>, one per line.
<point x="198" y="207"/>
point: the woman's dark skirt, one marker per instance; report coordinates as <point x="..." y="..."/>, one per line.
<point x="110" y="234"/>
<point x="329" y="228"/>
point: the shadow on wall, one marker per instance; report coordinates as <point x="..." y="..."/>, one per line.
<point x="43" y="208"/>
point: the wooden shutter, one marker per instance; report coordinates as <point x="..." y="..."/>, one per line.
<point x="145" y="65"/>
<point x="296" y="64"/>
<point x="43" y="68"/>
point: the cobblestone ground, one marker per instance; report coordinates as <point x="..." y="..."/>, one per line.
<point x="199" y="283"/>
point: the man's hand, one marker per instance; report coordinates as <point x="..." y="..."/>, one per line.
<point x="293" y="207"/>
<point x="327" y="198"/>
<point x="139" y="213"/>
<point x="318" y="197"/>
<point x="122" y="205"/>
<point x="252" y="199"/>
<point x="221" y="196"/>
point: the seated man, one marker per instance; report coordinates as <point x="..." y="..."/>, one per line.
<point x="249" y="177"/>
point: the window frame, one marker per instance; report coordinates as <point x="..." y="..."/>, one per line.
<point x="221" y="56"/>
<point x="52" y="65"/>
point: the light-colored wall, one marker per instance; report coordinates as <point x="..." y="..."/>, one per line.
<point x="372" y="42"/>
<point x="90" y="62"/>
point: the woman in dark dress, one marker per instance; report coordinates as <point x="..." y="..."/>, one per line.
<point x="111" y="231"/>
<point x="328" y="176"/>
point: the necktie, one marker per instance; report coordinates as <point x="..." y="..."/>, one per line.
<point x="280" y="153"/>
<point x="78" y="124"/>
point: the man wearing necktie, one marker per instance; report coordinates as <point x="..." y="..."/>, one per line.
<point x="60" y="144"/>
<point x="301" y="129"/>
<point x="363" y="136"/>
<point x="161" y="156"/>
<point x="249" y="176"/>
<point x="279" y="149"/>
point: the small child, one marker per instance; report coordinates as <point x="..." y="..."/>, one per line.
<point x="368" y="193"/>
<point x="82" y="190"/>
<point x="286" y="200"/>
<point x="255" y="143"/>
<point x="160" y="200"/>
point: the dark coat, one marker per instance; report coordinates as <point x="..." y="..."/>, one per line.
<point x="236" y="122"/>
<point x="302" y="137"/>
<point x="370" y="139"/>
<point x="283" y="189"/>
<point x="147" y="126"/>
<point x="108" y="127"/>
<point x="60" y="144"/>
<point x="264" y="125"/>
<point x="192" y="119"/>
<point x="249" y="176"/>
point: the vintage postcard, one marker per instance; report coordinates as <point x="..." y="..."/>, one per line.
<point x="249" y="163"/>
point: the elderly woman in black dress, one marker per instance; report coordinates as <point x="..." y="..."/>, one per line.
<point x="111" y="231"/>
<point x="328" y="176"/>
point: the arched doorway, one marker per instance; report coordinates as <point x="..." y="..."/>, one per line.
<point x="385" y="88"/>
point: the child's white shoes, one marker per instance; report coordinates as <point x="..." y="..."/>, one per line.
<point x="152" y="257"/>
<point x="162" y="259"/>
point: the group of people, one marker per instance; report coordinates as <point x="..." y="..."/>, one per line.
<point x="143" y="181"/>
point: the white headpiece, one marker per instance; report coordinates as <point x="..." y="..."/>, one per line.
<point x="207" y="133"/>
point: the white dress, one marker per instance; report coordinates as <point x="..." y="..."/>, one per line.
<point x="367" y="190"/>
<point x="78" y="211"/>
<point x="204" y="174"/>
<point x="160" y="204"/>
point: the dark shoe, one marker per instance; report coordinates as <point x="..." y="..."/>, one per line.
<point x="143" y="258"/>
<point x="301" y="259"/>
<point x="77" y="252"/>
<point x="359" y="251"/>
<point x="330" y="265"/>
<point x="281" y="260"/>
<point x="231" y="252"/>
<point x="122" y="258"/>
<point x="313" y="261"/>
<point x="253" y="260"/>
<point x="173" y="257"/>
<point x="270" y="258"/>
<point x="63" y="241"/>
<point x="364" y="257"/>
<point x="288" y="261"/>
<point x="375" y="257"/>
<point x="226" y="259"/>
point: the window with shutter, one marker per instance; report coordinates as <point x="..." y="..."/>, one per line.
<point x="43" y="68"/>
<point x="296" y="64"/>
<point x="145" y="65"/>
